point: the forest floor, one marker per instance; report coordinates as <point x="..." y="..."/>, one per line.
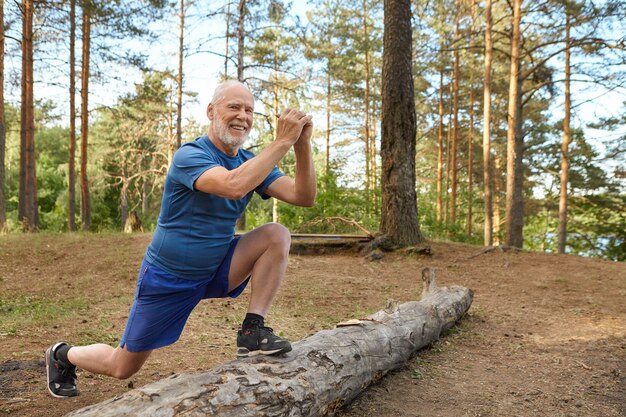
<point x="545" y="336"/>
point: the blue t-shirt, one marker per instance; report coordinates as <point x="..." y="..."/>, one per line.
<point x="194" y="228"/>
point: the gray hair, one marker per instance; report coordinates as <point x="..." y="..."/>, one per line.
<point x="218" y="95"/>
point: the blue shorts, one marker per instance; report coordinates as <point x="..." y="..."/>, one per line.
<point x="163" y="303"/>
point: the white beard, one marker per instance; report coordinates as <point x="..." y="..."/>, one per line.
<point x="226" y="137"/>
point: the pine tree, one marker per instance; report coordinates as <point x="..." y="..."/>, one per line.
<point x="3" y="212"/>
<point x="487" y="129"/>
<point x="399" y="222"/>
<point x="28" y="211"/>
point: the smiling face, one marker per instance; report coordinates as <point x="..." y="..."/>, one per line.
<point x="231" y="115"/>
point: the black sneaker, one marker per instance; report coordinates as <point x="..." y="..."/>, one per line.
<point x="260" y="340"/>
<point x="61" y="375"/>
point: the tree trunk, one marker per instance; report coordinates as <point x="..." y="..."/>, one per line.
<point x="373" y="163"/>
<point x="513" y="234"/>
<point x="399" y="222"/>
<point x="328" y="113"/>
<point x="240" y="39"/>
<point x="497" y="192"/>
<point x="440" y="150"/>
<point x="171" y="141"/>
<point x="28" y="213"/>
<point x="366" y="112"/>
<point x="85" y="200"/>
<point x="71" y="210"/>
<point x="275" y="110"/>
<point x="227" y="38"/>
<point x="446" y="214"/>
<point x="488" y="237"/>
<point x="517" y="219"/>
<point x="470" y="134"/>
<point x="562" y="233"/>
<point x="455" y="135"/>
<point x="321" y="374"/>
<point x="179" y="78"/>
<point x="124" y="199"/>
<point x="3" y="210"/>
<point x="241" y="221"/>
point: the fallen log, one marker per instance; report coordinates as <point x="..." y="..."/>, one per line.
<point x="322" y="373"/>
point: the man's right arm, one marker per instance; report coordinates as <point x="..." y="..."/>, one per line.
<point x="235" y="184"/>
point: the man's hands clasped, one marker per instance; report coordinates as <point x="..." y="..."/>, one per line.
<point x="294" y="126"/>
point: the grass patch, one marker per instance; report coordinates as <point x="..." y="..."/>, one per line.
<point x="26" y="311"/>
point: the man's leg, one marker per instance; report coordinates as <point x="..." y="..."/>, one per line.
<point x="62" y="359"/>
<point x="263" y="255"/>
<point x="106" y="360"/>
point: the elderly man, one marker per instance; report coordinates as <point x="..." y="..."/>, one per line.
<point x="194" y="254"/>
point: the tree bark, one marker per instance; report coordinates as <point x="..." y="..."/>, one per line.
<point x="497" y="190"/>
<point x="241" y="221"/>
<point x="446" y="214"/>
<point x="513" y="232"/>
<point x="328" y="117"/>
<point x="71" y="208"/>
<point x="455" y="135"/>
<point x="488" y="237"/>
<point x="562" y="232"/>
<point x="3" y="210"/>
<point x="440" y="149"/>
<point x="85" y="200"/>
<point x="321" y="374"/>
<point x="366" y="112"/>
<point x="179" y="77"/>
<point x="28" y="213"/>
<point x="227" y="38"/>
<point x="470" y="134"/>
<point x="240" y="39"/>
<point x="399" y="222"/>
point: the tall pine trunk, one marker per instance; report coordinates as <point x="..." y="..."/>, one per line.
<point x="71" y="208"/>
<point x="3" y="210"/>
<point x="226" y="39"/>
<point x="28" y="213"/>
<point x="470" y="134"/>
<point x="241" y="221"/>
<point x="373" y="163"/>
<point x="487" y="129"/>
<point x="497" y="193"/>
<point x="240" y="39"/>
<point x="399" y="222"/>
<point x="328" y="119"/>
<point x="179" y="78"/>
<point x="440" y="147"/>
<point x="455" y="135"/>
<point x="513" y="214"/>
<point x="85" y="200"/>
<point x="366" y="113"/>
<point x="562" y="233"/>
<point x="446" y="214"/>
<point x="275" y="110"/>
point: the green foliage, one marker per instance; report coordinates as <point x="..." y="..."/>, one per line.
<point x="332" y="201"/>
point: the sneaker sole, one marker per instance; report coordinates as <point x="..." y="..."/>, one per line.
<point x="48" y="353"/>
<point x="245" y="353"/>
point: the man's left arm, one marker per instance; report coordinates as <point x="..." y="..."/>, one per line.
<point x="300" y="191"/>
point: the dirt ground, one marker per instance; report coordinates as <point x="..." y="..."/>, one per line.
<point x="545" y="336"/>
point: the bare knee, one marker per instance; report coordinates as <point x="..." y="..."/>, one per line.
<point x="278" y="237"/>
<point x="125" y="364"/>
<point x="124" y="372"/>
